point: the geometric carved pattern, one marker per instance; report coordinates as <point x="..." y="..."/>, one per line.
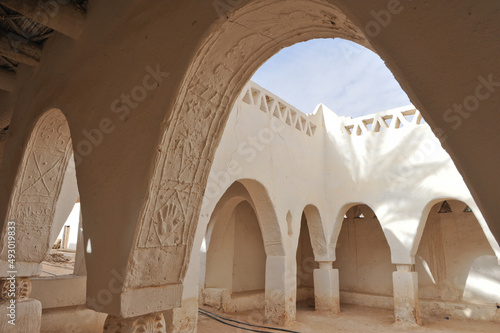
<point x="22" y="288"/>
<point x="38" y="184"/>
<point x="381" y="121"/>
<point x="152" y="323"/>
<point x="268" y="103"/>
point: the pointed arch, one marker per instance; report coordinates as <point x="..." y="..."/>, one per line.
<point x="38" y="184"/>
<point x="454" y="258"/>
<point x="495" y="246"/>
<point x="363" y="254"/>
<point x="317" y="233"/>
<point x="257" y="196"/>
<point x="337" y="226"/>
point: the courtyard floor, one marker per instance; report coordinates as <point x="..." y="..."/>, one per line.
<point x="352" y="319"/>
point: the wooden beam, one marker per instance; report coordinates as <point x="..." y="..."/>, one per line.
<point x="7" y="80"/>
<point x="64" y="18"/>
<point x="19" y="49"/>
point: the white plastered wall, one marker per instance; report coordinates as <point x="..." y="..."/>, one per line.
<point x="399" y="171"/>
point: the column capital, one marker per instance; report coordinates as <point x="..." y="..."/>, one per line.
<point x="325" y="264"/>
<point x="15" y="287"/>
<point x="405" y="267"/>
<point x="150" y="323"/>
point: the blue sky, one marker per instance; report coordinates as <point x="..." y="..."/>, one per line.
<point x="348" y="78"/>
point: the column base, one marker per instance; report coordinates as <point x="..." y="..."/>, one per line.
<point x="281" y="287"/>
<point x="183" y="319"/>
<point x="27" y="316"/>
<point x="326" y="290"/>
<point x="406" y="302"/>
<point x="280" y="310"/>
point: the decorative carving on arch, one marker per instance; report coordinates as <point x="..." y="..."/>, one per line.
<point x="22" y="288"/>
<point x="317" y="233"/>
<point x="154" y="323"/>
<point x="224" y="63"/>
<point x="37" y="187"/>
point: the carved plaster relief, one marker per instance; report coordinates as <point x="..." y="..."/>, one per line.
<point x="38" y="183"/>
<point x="22" y="288"/>
<point x="154" y="323"/>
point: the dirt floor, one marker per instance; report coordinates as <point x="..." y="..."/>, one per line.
<point x="57" y="264"/>
<point x="352" y="319"/>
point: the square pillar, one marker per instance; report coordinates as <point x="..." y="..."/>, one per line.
<point x="326" y="288"/>
<point x="406" y="302"/>
<point x="281" y="290"/>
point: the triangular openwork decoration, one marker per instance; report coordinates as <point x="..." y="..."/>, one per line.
<point x="368" y="124"/>
<point x="298" y="125"/>
<point x="247" y="99"/>
<point x="276" y="112"/>
<point x="387" y="120"/>
<point x="263" y="105"/>
<point x="409" y="117"/>
<point x="288" y="119"/>
<point x="467" y="209"/>
<point x="445" y="208"/>
<point x="255" y="94"/>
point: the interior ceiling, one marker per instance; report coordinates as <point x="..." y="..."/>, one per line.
<point x="18" y="29"/>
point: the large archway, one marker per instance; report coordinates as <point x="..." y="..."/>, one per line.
<point x="206" y="85"/>
<point x="204" y="101"/>
<point x="39" y="183"/>
<point x="242" y="233"/>
<point x="203" y="105"/>
<point x="236" y="260"/>
<point x="45" y="193"/>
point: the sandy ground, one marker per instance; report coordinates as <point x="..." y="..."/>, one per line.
<point x="352" y="319"/>
<point x="57" y="264"/>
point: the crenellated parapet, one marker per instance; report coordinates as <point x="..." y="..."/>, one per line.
<point x="381" y="121"/>
<point x="266" y="102"/>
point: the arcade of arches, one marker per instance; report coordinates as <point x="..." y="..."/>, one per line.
<point x="200" y="188"/>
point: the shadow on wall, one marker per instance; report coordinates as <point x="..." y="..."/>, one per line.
<point x="454" y="260"/>
<point x="374" y="159"/>
<point x="236" y="259"/>
<point x="363" y="254"/>
<point x="305" y="264"/>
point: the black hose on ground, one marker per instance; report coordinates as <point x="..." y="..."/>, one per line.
<point x="223" y="321"/>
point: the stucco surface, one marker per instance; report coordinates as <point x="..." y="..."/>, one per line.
<point x="444" y="54"/>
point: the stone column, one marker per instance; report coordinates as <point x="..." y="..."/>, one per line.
<point x="19" y="313"/>
<point x="406" y="302"/>
<point x="326" y="288"/>
<point x="281" y="289"/>
<point x="150" y="323"/>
